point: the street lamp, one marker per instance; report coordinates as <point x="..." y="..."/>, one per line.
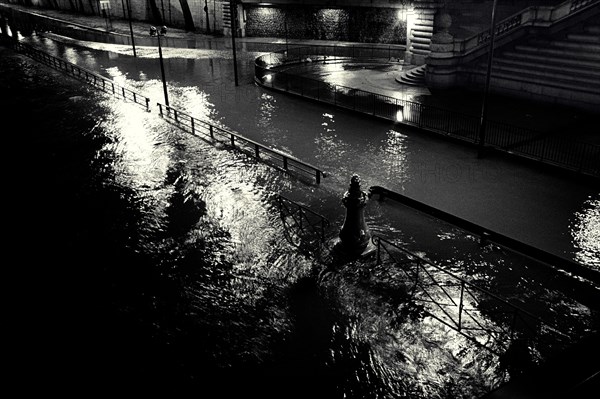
<point x="233" y="15"/>
<point x="158" y="34"/>
<point x="484" y="105"/>
<point x="130" y="26"/>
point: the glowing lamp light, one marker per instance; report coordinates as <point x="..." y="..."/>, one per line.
<point x="400" y="115"/>
<point x="268" y="78"/>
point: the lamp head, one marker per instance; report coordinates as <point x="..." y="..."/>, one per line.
<point x="152" y="31"/>
<point x="163" y="30"/>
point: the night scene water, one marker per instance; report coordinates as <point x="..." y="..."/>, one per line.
<point x="170" y="263"/>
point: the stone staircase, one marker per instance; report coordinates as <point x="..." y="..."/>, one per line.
<point x="413" y="77"/>
<point x="558" y="67"/>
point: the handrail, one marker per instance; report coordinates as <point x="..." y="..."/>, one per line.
<point x="302" y="53"/>
<point x="577" y="156"/>
<point x="470" y="295"/>
<point x="236" y="141"/>
<point x="302" y="223"/>
<point x="81" y="73"/>
<point x="530" y="16"/>
<point x="263" y="153"/>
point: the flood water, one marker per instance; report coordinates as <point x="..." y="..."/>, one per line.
<point x="187" y="276"/>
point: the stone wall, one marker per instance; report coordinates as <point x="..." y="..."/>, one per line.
<point x="171" y="10"/>
<point x="355" y="24"/>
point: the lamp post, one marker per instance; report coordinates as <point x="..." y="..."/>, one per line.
<point x="233" y="14"/>
<point x="158" y="34"/>
<point x="483" y="119"/>
<point x="130" y="25"/>
<point x="206" y="11"/>
<point x="285" y="27"/>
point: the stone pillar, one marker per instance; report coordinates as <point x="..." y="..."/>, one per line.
<point x="442" y="40"/>
<point x="355" y="238"/>
<point x="440" y="73"/>
<point x="419" y="27"/>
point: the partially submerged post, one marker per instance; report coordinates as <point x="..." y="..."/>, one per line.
<point x="354" y="237"/>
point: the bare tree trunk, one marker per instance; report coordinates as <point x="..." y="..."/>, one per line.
<point x="187" y="15"/>
<point x="156" y="12"/>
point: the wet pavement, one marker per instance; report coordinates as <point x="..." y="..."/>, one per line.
<point x="556" y="120"/>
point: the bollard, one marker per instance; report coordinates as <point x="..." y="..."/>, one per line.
<point x="355" y="237"/>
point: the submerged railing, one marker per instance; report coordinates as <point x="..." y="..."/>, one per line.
<point x="477" y="314"/>
<point x="302" y="226"/>
<point x="569" y="154"/>
<point x="98" y="81"/>
<point x="260" y="152"/>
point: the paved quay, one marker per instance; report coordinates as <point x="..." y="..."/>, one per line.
<point x="545" y="118"/>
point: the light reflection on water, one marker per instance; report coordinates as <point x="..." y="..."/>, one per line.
<point x="408" y="355"/>
<point x="586" y="233"/>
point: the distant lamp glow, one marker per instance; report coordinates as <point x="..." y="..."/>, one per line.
<point x="400" y="115"/>
<point x="268" y="78"/>
<point x="401" y="14"/>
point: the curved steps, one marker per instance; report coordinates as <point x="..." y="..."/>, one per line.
<point x="413" y="77"/>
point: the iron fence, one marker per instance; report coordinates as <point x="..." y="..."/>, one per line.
<point x="105" y="84"/>
<point x="476" y="313"/>
<point x="328" y="54"/>
<point x="260" y="152"/>
<point x="570" y="154"/>
<point x="302" y="226"/>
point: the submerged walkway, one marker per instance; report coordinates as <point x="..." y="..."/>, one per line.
<point x="530" y="391"/>
<point x="555" y="120"/>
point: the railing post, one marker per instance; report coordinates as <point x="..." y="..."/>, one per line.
<point x="417" y="276"/>
<point x="318" y="90"/>
<point x="335" y="94"/>
<point x="318" y="176"/>
<point x="212" y="134"/>
<point x="193" y="128"/>
<point x="123" y="91"/>
<point x="160" y="108"/>
<point x="134" y="98"/>
<point x="256" y="151"/>
<point x="113" y="87"/>
<point x="232" y="140"/>
<point x="285" y="163"/>
<point x="176" y="120"/>
<point x="147" y="104"/>
<point x="460" y="305"/>
<point x="513" y="324"/>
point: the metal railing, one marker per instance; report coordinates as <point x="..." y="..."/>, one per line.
<point x="530" y="16"/>
<point x="302" y="226"/>
<point x="329" y="54"/>
<point x="479" y="315"/>
<point x="569" y="154"/>
<point x="260" y="152"/>
<point x="98" y="81"/>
